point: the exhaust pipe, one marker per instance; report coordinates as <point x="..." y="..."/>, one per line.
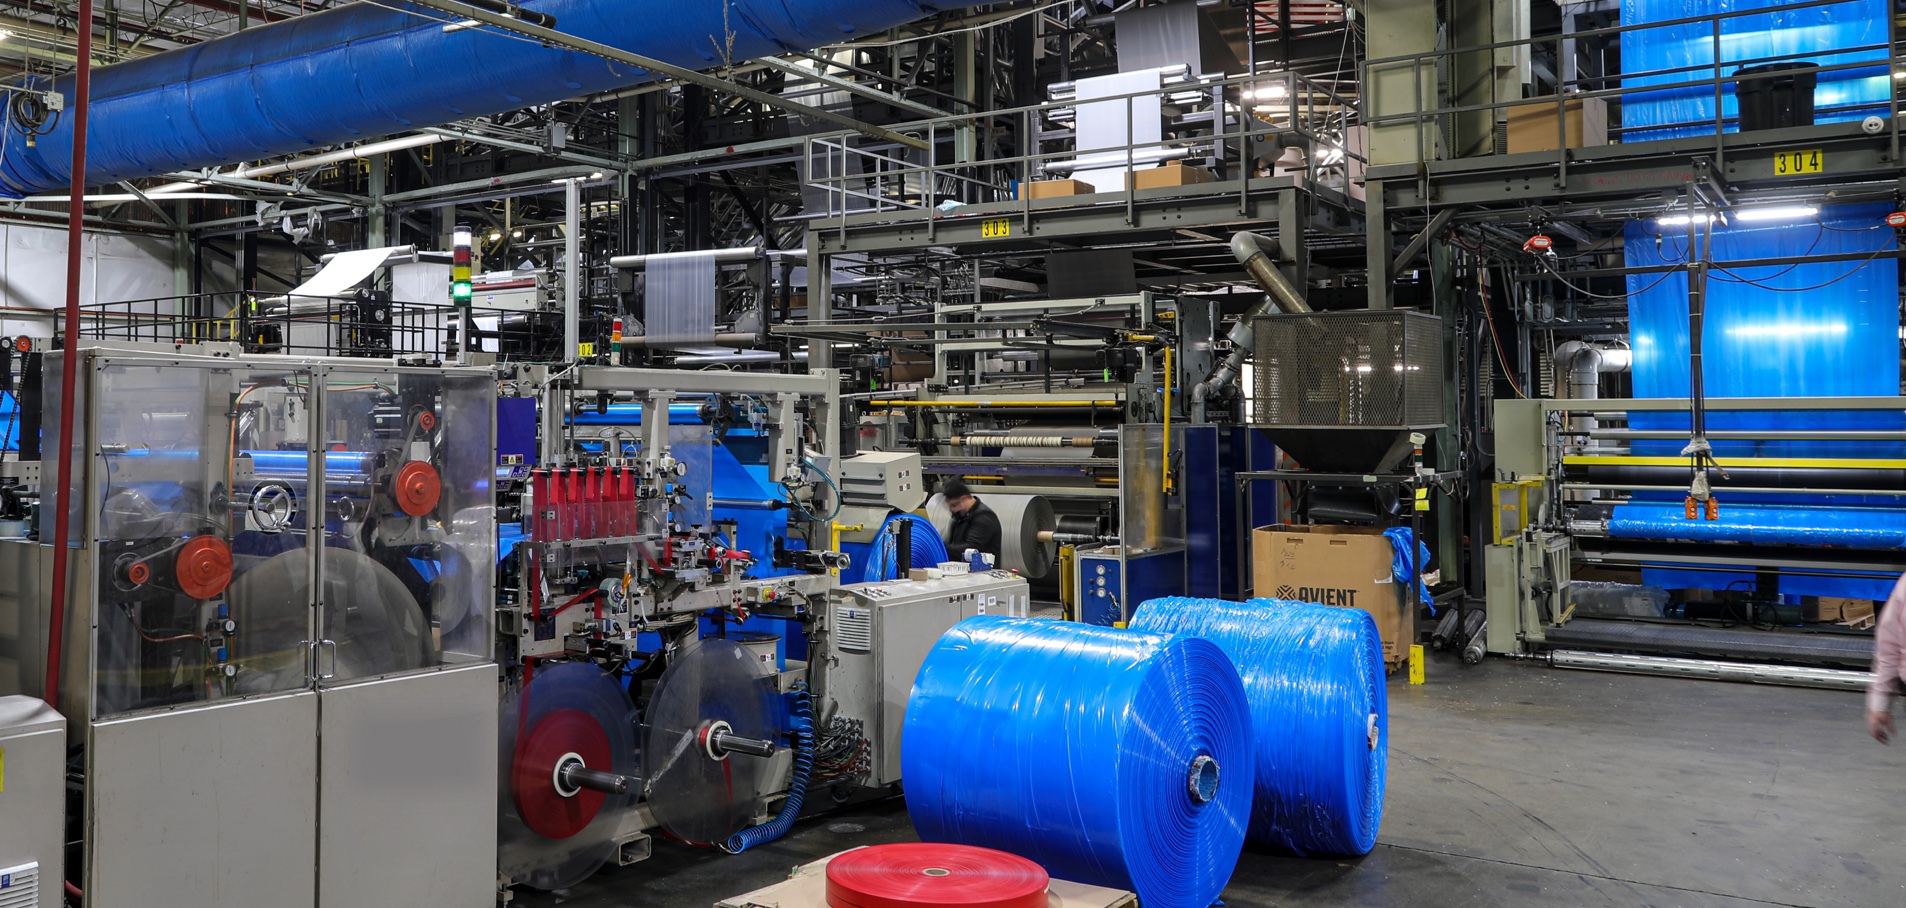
<point x="1255" y="254"/>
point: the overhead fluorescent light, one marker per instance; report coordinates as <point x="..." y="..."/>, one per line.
<point x="1777" y="213"/>
<point x="1681" y="220"/>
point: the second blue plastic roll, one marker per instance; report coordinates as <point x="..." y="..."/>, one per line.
<point x="1319" y="713"/>
<point x="1113" y="758"/>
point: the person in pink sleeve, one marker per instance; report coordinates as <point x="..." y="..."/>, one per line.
<point x="1889" y="665"/>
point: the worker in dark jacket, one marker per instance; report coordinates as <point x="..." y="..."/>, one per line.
<point x="975" y="526"/>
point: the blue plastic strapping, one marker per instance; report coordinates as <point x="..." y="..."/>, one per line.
<point x="1320" y="716"/>
<point x="883" y="561"/>
<point x="1109" y="757"/>
<point x="1403" y="570"/>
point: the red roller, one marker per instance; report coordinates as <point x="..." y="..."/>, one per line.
<point x="921" y="874"/>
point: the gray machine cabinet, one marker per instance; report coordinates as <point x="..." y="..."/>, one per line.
<point x="239" y="777"/>
<point x="407" y="811"/>
<point x="880" y="635"/>
<point x="32" y="803"/>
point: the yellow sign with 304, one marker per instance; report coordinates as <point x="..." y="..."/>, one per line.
<point x="1790" y="163"/>
<point x="995" y="228"/>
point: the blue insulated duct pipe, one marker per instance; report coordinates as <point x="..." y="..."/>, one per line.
<point x="367" y="70"/>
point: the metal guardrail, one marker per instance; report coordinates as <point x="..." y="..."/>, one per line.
<point x="1240" y="111"/>
<point x="1426" y="68"/>
<point x="268" y="324"/>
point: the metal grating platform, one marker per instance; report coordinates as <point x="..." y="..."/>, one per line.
<point x="1734" y="643"/>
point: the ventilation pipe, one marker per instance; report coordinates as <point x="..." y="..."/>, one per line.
<point x="1579" y="367"/>
<point x="1256" y="254"/>
<point x="366" y="70"/>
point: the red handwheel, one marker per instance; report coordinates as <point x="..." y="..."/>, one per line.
<point x="914" y="875"/>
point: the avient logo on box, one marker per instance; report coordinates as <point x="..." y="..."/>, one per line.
<point x="1346" y="598"/>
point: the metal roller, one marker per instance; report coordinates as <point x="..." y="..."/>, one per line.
<point x="1022" y="518"/>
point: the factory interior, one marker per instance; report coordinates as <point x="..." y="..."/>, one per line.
<point x="887" y="453"/>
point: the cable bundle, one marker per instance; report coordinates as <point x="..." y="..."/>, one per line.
<point x="1319" y="713"/>
<point x="1108" y="757"/>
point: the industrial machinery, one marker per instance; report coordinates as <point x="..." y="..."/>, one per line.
<point x="1583" y="492"/>
<point x="281" y="580"/>
<point x="32" y="803"/>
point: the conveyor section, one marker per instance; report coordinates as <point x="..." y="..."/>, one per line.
<point x="1735" y="643"/>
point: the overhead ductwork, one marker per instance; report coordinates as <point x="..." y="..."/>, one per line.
<point x="365" y="70"/>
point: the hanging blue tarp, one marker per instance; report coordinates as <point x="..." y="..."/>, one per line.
<point x="1806" y="329"/>
<point x="1780" y="35"/>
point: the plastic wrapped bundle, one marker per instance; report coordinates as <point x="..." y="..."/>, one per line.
<point x="1319" y="713"/>
<point x="1114" y="758"/>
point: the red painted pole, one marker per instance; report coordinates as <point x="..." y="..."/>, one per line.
<point x="69" y="363"/>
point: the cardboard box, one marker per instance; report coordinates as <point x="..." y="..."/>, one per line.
<point x="1339" y="566"/>
<point x="1172" y="174"/>
<point x="1056" y="189"/>
<point x="1532" y="125"/>
<point x="1833" y="609"/>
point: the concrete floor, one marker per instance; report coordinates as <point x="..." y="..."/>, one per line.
<point x="1517" y="785"/>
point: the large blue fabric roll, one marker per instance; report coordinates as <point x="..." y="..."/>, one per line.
<point x="1114" y="758"/>
<point x="1320" y="714"/>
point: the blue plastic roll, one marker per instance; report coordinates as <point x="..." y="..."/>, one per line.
<point x="631" y="415"/>
<point x="1113" y="758"/>
<point x="1320" y="715"/>
<point x="1854" y="528"/>
<point x="883" y="557"/>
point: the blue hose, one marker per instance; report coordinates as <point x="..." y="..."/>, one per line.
<point x="1313" y="676"/>
<point x="801" y="721"/>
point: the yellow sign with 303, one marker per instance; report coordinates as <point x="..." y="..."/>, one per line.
<point x="995" y="228"/>
<point x="1791" y="163"/>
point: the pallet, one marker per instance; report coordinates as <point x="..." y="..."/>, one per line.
<point x="807" y="888"/>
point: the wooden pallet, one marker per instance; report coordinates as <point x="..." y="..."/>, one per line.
<point x="807" y="888"/>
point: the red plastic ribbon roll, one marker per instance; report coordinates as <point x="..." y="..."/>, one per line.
<point x="920" y="874"/>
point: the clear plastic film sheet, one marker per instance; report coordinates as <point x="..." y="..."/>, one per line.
<point x="369" y="69"/>
<point x="1674" y="54"/>
<point x="1112" y="758"/>
<point x="1804" y="329"/>
<point x="1320" y="714"/>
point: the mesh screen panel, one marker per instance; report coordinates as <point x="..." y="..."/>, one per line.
<point x="1352" y="368"/>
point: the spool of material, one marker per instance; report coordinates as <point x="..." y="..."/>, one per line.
<point x="1108" y="757"/>
<point x="929" y="874"/>
<point x="554" y="834"/>
<point x="939" y="514"/>
<point x="882" y="561"/>
<point x="700" y="793"/>
<point x="1021" y="519"/>
<point x="1319" y="713"/>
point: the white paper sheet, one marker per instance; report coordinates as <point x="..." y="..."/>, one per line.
<point x="343" y="273"/>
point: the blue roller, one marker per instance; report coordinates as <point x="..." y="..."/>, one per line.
<point x="631" y="415"/>
<point x="337" y="464"/>
<point x="1109" y="757"/>
<point x="1320" y="715"/>
<point x="365" y="70"/>
<point x="1853" y="528"/>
